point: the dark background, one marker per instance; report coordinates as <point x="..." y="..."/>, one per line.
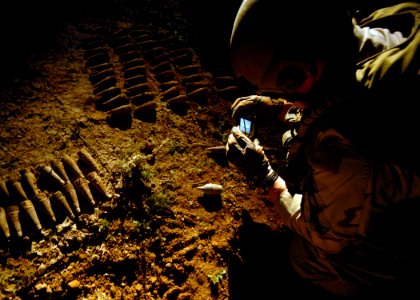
<point x="28" y="28"/>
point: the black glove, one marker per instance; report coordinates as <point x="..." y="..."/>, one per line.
<point x="249" y="158"/>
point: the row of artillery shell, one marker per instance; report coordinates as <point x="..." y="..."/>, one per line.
<point x="22" y="191"/>
<point x="162" y="62"/>
<point x="133" y="69"/>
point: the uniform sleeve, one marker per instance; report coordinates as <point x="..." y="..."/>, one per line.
<point x="346" y="195"/>
<point x="395" y="60"/>
<point x="292" y="217"/>
<point x="376" y="40"/>
<point x="335" y="199"/>
<point x="289" y="206"/>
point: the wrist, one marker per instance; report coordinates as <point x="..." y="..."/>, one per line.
<point x="276" y="189"/>
<point x="279" y="184"/>
<point x="270" y="179"/>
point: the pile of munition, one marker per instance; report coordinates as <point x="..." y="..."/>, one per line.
<point x="43" y="195"/>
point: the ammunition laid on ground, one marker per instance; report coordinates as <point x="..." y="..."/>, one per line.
<point x="11" y="208"/>
<point x="143" y="98"/>
<point x="114" y="103"/>
<point x="45" y="203"/>
<point x="82" y="186"/>
<point x="51" y="174"/>
<point x="203" y="91"/>
<point x="64" y="180"/>
<point x="211" y="189"/>
<point x="61" y="200"/>
<point x="68" y="188"/>
<point x="29" y="207"/>
<point x="146" y="111"/>
<point x="72" y="166"/>
<point x="30" y="181"/>
<point x="218" y="149"/>
<point x="3" y="223"/>
<point x="23" y="200"/>
<point x="180" y="99"/>
<point x="80" y="182"/>
<point x="13" y="214"/>
<point x="70" y="192"/>
<point x="40" y="197"/>
<point x="58" y="166"/>
<point x="171" y="92"/>
<point x="122" y="110"/>
<point x="87" y="159"/>
<point x="96" y="181"/>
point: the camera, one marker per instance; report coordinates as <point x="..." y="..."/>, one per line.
<point x="247" y="125"/>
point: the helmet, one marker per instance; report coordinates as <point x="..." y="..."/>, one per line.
<point x="291" y="26"/>
<point x="302" y="33"/>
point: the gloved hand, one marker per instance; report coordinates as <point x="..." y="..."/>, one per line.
<point x="262" y="105"/>
<point x="249" y="158"/>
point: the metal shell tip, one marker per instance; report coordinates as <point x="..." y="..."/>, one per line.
<point x="211" y="189"/>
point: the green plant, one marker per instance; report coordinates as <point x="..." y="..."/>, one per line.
<point x="146" y="173"/>
<point x="137" y="172"/>
<point x="104" y="225"/>
<point x="217" y="276"/>
<point x="158" y="202"/>
<point x="175" y="147"/>
<point x="75" y="134"/>
<point x="142" y="227"/>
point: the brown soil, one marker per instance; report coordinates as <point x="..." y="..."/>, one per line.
<point x="157" y="236"/>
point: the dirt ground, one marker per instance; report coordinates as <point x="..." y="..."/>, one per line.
<point x="144" y="88"/>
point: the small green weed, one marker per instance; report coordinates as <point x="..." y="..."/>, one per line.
<point x="158" y="202"/>
<point x="216" y="277"/>
<point x="175" y="147"/>
<point x="104" y="225"/>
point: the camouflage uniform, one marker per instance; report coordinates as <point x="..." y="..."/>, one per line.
<point x="360" y="185"/>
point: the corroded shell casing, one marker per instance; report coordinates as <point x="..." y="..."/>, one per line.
<point x="30" y="179"/>
<point x="4" y="192"/>
<point x="45" y="204"/>
<point x="61" y="200"/>
<point x="87" y="159"/>
<point x="3" y="223"/>
<point x="12" y="209"/>
<point x="211" y="189"/>
<point x="145" y="111"/>
<point x="143" y="98"/>
<point x="227" y="89"/>
<point x="200" y="92"/>
<point x="3" y="189"/>
<point x="72" y="166"/>
<point x="18" y="189"/>
<point x="82" y="186"/>
<point x="171" y="92"/>
<point x="114" y="103"/>
<point x="67" y="187"/>
<point x="40" y="197"/>
<point x="70" y="193"/>
<point x="48" y="170"/>
<point x="180" y="99"/>
<point x="13" y="214"/>
<point x="28" y="206"/>
<point x="123" y="110"/>
<point x="25" y="203"/>
<point x="96" y="181"/>
<point x="58" y="167"/>
<point x="137" y="89"/>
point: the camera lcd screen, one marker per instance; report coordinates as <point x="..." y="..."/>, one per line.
<point x="245" y="126"/>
